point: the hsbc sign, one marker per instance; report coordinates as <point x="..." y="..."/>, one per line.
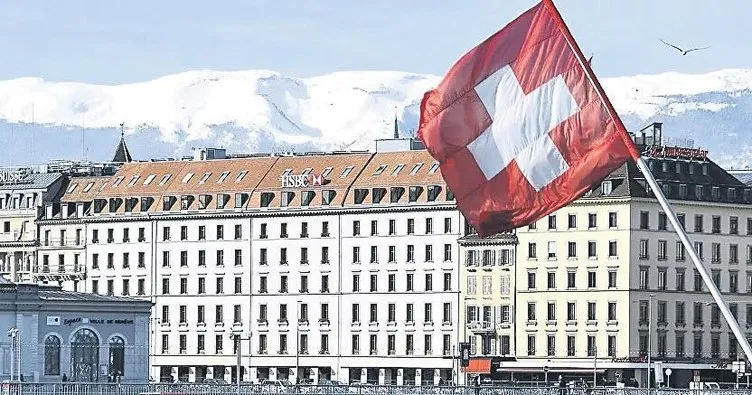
<point x="302" y="180"/>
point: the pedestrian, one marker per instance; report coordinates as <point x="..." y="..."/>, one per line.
<point x="477" y="385"/>
<point x="562" y="386"/>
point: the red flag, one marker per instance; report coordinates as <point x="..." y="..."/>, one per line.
<point x="520" y="125"/>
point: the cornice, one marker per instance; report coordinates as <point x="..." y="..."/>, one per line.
<point x="198" y="215"/>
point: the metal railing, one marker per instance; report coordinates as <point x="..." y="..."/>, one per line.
<point x="364" y="389"/>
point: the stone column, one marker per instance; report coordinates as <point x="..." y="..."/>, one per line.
<point x="209" y="372"/>
<point x="192" y="374"/>
<point x="363" y="375"/>
<point x="382" y="376"/>
<point x="273" y="373"/>
<point x="254" y="375"/>
<point x="400" y="376"/>
<point x="418" y="377"/>
<point x="436" y="376"/>
<point x="315" y="375"/>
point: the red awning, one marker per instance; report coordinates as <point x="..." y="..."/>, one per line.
<point x="479" y="366"/>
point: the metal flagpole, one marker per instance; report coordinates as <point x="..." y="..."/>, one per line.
<point x="730" y="320"/>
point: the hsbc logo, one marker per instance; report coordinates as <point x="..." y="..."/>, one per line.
<point x="302" y="180"/>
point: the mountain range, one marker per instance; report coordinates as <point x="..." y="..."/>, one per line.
<point x="264" y="111"/>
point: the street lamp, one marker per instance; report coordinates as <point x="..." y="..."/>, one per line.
<point x="650" y="336"/>
<point x="297" y="341"/>
<point x="237" y="340"/>
<point x="13" y="334"/>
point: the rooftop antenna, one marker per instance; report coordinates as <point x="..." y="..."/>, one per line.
<point x="32" y="134"/>
<point x="396" y="126"/>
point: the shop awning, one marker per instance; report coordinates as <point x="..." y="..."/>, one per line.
<point x="479" y="366"/>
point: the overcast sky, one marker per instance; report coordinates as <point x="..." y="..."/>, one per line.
<point x="118" y="41"/>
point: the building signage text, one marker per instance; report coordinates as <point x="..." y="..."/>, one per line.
<point x="56" y="321"/>
<point x="14" y="176"/>
<point x="677" y="152"/>
<point x="302" y="180"/>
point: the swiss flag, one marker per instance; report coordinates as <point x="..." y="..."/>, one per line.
<point x="520" y="125"/>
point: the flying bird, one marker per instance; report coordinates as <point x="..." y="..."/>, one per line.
<point x="684" y="51"/>
<point x="590" y="60"/>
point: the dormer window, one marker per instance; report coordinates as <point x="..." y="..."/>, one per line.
<point x="396" y="194"/>
<point x="287" y="197"/>
<point x="168" y="202"/>
<point x="187" y="177"/>
<point x="115" y="204"/>
<point x="699" y="192"/>
<point x="222" y="200"/>
<point x="286" y="172"/>
<point x="664" y="166"/>
<point x="360" y="195"/>
<point x="130" y="204"/>
<point x="306" y="197"/>
<point x="241" y="176"/>
<point x="326" y="172"/>
<point x="307" y="171"/>
<point x="607" y="186"/>
<point x="266" y="199"/>
<point x="415" y="192"/>
<point x="416" y="168"/>
<point x="691" y="168"/>
<point x="678" y="167"/>
<point x="101" y="188"/>
<point x="71" y="188"/>
<point x="205" y="178"/>
<point x="433" y="192"/>
<point x="346" y="172"/>
<point x="133" y="180"/>
<point x="88" y="187"/>
<point x="165" y="178"/>
<point x="716" y="193"/>
<point x="146" y="203"/>
<point x="377" y="194"/>
<point x="683" y="191"/>
<point x="379" y="170"/>
<point x="327" y="197"/>
<point x="223" y="177"/>
<point x="241" y="199"/>
<point x="149" y="179"/>
<point x="398" y="169"/>
<point x="449" y="195"/>
<point x="117" y="181"/>
<point x="434" y="168"/>
<point x="732" y="194"/>
<point x="185" y="202"/>
<point x="203" y="201"/>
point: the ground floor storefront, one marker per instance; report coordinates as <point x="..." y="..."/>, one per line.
<point x="604" y="372"/>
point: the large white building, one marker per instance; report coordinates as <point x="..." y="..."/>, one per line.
<point x="349" y="258"/>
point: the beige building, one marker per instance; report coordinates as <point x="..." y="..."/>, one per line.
<point x="488" y="295"/>
<point x="586" y="276"/>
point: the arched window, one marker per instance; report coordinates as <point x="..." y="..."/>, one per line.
<point x="117" y="357"/>
<point x="84" y="356"/>
<point x="52" y="356"/>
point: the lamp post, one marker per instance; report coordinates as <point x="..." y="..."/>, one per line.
<point x="237" y="340"/>
<point x="13" y="334"/>
<point x="297" y="342"/>
<point x="650" y="337"/>
<point x="595" y="366"/>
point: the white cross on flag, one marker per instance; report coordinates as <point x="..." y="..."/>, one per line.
<point x="521" y="126"/>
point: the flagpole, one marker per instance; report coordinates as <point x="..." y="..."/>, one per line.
<point x="682" y="233"/>
<point x="730" y="320"/>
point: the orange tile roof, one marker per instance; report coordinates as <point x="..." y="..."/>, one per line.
<point x="211" y="181"/>
<point x="86" y="188"/>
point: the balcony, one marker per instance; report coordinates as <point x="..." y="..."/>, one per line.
<point x="67" y="272"/>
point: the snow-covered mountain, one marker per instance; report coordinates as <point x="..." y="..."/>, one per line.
<point x="247" y="111"/>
